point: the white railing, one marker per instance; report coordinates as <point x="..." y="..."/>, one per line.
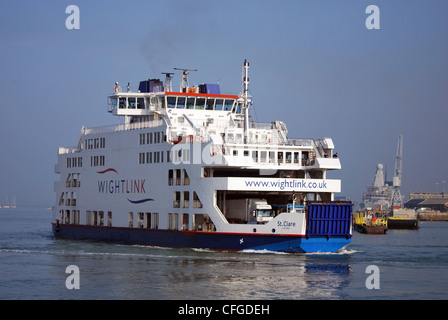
<point x="67" y="150"/>
<point x="124" y="127"/>
<point x="300" y="142"/>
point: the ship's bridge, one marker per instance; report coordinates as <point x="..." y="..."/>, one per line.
<point x="132" y="104"/>
<point x="152" y="98"/>
<point x="203" y="101"/>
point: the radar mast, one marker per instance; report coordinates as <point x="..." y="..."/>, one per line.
<point x="184" y="79"/>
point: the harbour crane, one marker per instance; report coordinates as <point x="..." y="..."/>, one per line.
<point x="397" y="199"/>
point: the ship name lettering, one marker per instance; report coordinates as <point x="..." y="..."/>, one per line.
<point x="286" y="224"/>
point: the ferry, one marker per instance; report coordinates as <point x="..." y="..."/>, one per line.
<point x="189" y="169"/>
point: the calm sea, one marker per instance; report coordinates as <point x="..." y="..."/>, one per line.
<point x="410" y="265"/>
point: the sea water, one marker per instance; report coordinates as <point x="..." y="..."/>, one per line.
<point x="408" y="264"/>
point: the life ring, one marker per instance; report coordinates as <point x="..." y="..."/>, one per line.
<point x="116" y="89"/>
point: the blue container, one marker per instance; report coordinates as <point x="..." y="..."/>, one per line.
<point x="151" y="85"/>
<point x="209" y="88"/>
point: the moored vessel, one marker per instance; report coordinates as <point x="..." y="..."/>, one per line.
<point x="371" y="222"/>
<point x="401" y="218"/>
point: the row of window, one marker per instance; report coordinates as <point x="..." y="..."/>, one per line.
<point x="181" y="199"/>
<point x="97" y="161"/>
<point x="183" y="155"/>
<point x="151" y="157"/>
<point x="152" y="137"/>
<point x="179" y="102"/>
<point x="147" y="220"/>
<point x="178" y="177"/>
<point x="73" y="180"/>
<point x="264" y="156"/>
<point x="67" y="199"/>
<point x="200" y="222"/>
<point x="201" y="103"/>
<point x="74" y="162"/>
<point x="94" y="143"/>
<point x="260" y="156"/>
<point x="176" y="156"/>
<point x="98" y="218"/>
<point x="130" y="103"/>
<point x="69" y="216"/>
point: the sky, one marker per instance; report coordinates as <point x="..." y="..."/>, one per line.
<point x="313" y="64"/>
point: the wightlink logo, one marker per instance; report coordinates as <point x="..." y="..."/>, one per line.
<point x="122" y="186"/>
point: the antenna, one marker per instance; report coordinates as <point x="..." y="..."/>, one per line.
<point x="245" y="96"/>
<point x="184" y="80"/>
<point x="168" y="86"/>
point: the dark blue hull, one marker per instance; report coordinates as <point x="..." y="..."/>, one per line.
<point x="203" y="240"/>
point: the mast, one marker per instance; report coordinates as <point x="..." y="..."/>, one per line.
<point x="184" y="85"/>
<point x="246" y="100"/>
<point x="168" y="78"/>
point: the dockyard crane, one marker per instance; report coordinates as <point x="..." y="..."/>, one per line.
<point x="397" y="199"/>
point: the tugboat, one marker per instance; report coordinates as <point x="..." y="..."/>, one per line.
<point x="187" y="169"/>
<point x="370" y="222"/>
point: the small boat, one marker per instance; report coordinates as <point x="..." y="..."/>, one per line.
<point x="402" y="218"/>
<point x="370" y="222"/>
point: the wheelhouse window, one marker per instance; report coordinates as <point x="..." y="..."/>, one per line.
<point x="228" y="103"/>
<point x="181" y="102"/>
<point x="113" y="103"/>
<point x="210" y="104"/>
<point x="238" y="108"/>
<point x="190" y="103"/>
<point x="219" y="103"/>
<point x="140" y="103"/>
<point x="200" y="102"/>
<point x="171" y="102"/>
<point x="128" y="103"/>
<point x="162" y="102"/>
<point x="122" y="104"/>
<point x="132" y="103"/>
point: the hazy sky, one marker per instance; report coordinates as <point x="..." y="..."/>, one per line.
<point x="314" y="65"/>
